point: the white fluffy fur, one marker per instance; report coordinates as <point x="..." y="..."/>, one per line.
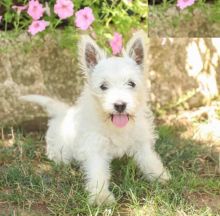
<point x="85" y="132"/>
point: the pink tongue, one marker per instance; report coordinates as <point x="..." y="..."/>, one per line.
<point x="120" y="120"/>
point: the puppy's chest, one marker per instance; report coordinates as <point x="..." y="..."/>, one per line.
<point x="120" y="144"/>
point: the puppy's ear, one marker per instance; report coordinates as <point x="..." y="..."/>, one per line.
<point x="89" y="53"/>
<point x="136" y="47"/>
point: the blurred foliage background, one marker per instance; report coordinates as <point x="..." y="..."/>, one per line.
<point x="123" y="16"/>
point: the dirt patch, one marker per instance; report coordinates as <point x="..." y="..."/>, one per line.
<point x="36" y="209"/>
<point x="201" y="200"/>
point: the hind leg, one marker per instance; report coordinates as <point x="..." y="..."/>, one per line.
<point x="57" y="150"/>
<point x="58" y="154"/>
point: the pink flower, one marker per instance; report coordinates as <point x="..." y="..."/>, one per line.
<point x="37" y="26"/>
<point x="18" y="8"/>
<point x="35" y="9"/>
<point x="116" y="43"/>
<point x="184" y="3"/>
<point x="0" y="19"/>
<point x="63" y="8"/>
<point x="84" y="18"/>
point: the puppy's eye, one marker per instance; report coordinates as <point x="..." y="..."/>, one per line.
<point x="103" y="87"/>
<point x="132" y="84"/>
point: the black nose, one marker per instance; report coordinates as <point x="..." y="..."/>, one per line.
<point x="120" y="107"/>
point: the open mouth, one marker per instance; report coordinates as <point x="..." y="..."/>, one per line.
<point x="120" y="120"/>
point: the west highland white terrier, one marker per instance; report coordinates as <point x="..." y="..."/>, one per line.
<point x="109" y="120"/>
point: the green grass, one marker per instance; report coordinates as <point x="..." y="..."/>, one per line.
<point x="30" y="184"/>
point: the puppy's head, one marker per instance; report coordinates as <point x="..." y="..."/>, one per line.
<point x="116" y="83"/>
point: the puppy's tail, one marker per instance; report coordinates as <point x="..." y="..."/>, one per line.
<point x="53" y="107"/>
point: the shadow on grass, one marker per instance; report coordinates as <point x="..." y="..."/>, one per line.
<point x="31" y="183"/>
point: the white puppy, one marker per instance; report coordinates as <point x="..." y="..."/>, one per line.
<point x="110" y="119"/>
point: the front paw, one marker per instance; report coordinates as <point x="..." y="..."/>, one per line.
<point x="164" y="177"/>
<point x="102" y="198"/>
